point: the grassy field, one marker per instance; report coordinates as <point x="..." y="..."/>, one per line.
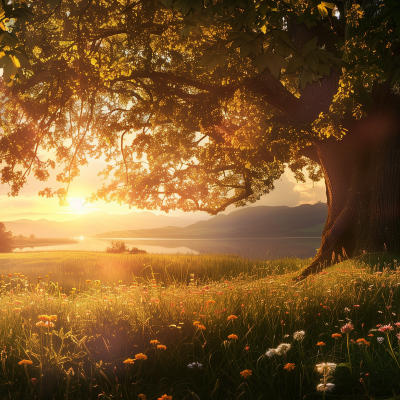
<point x="197" y="327"/>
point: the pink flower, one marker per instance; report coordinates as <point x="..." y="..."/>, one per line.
<point x="385" y="328"/>
<point x="397" y="324"/>
<point x="347" y="328"/>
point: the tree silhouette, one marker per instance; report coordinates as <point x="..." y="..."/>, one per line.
<point x="5" y="239"/>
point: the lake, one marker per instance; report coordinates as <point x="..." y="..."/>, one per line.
<point x="263" y="249"/>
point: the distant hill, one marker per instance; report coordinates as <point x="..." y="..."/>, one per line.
<point x="253" y="222"/>
<point x="92" y="223"/>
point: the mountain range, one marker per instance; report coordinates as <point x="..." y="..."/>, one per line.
<point x="92" y="223"/>
<point x="305" y="220"/>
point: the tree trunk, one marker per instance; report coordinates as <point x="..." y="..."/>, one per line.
<point x="362" y="175"/>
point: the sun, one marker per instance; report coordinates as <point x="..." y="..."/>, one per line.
<point x="76" y="204"/>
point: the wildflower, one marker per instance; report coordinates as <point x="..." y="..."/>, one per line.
<point x="299" y="335"/>
<point x="246" y="373"/>
<point x="165" y="397"/>
<point x="247" y="348"/>
<point x="326" y="368"/>
<point x="161" y="346"/>
<point x="283" y="348"/>
<point x="140" y="356"/>
<point x="43" y="317"/>
<point x="327" y="387"/>
<point x="232" y="336"/>
<point x="195" y="323"/>
<point x="336" y="335"/>
<point x="270" y="353"/>
<point x="385" y="328"/>
<point x="129" y="361"/>
<point x="88" y="281"/>
<point x="321" y="344"/>
<point x="154" y="342"/>
<point x="380" y="339"/>
<point x="398" y="336"/>
<point x="210" y="302"/>
<point x="289" y="367"/>
<point x="363" y="341"/>
<point x="347" y="328"/>
<point x="40" y="323"/>
<point x="371" y="335"/>
<point x="202" y="327"/>
<point x="231" y="317"/>
<point x="195" y="365"/>
<point x="25" y="362"/>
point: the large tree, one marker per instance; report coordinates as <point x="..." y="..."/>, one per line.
<point x="199" y="104"/>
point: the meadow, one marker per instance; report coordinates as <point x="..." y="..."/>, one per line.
<point x="99" y="326"/>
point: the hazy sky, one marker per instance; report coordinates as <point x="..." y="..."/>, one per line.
<point x="29" y="205"/>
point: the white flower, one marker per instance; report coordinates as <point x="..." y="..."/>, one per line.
<point x="195" y="365"/>
<point x="283" y="348"/>
<point x="327" y="387"/>
<point x="270" y="353"/>
<point x="299" y="335"/>
<point x="326" y="368"/>
<point x="380" y="339"/>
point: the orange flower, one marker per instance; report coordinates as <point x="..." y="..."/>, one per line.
<point x="88" y="281"/>
<point x="140" y="356"/>
<point x="129" y="361"/>
<point x="232" y="336"/>
<point x="246" y="373"/>
<point x="25" y="362"/>
<point x="370" y="335"/>
<point x="337" y="335"/>
<point x="43" y="317"/>
<point x="195" y="323"/>
<point x="289" y="366"/>
<point x="321" y="344"/>
<point x="154" y="341"/>
<point x="210" y="302"/>
<point x="363" y="341"/>
<point x="202" y="327"/>
<point x="161" y="346"/>
<point x="231" y="317"/>
<point x="165" y="397"/>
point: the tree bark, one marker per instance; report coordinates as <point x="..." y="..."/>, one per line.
<point x="362" y="175"/>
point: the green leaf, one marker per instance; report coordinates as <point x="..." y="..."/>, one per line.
<point x="254" y="47"/>
<point x="311" y="45"/>
<point x="274" y="62"/>
<point x="8" y="39"/>
<point x="52" y="3"/>
<point x="312" y="61"/>
<point x="213" y="61"/>
<point x="347" y="365"/>
<point x="23" y="14"/>
<point x="324" y="69"/>
<point x="166" y="3"/>
<point x="306" y="77"/>
<point x="9" y="69"/>
<point x="294" y="64"/>
<point x="284" y="36"/>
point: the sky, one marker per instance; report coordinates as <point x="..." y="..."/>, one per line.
<point x="30" y="206"/>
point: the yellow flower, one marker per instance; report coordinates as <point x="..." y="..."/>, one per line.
<point x="232" y="336"/>
<point x="154" y="341"/>
<point x="289" y="366"/>
<point x="26" y="362"/>
<point x="195" y="323"/>
<point x="129" y="361"/>
<point x="321" y="344"/>
<point x="246" y="373"/>
<point x="165" y="397"/>
<point x="231" y="317"/>
<point x="140" y="356"/>
<point x="202" y="327"/>
<point x="161" y="346"/>
<point x="337" y="335"/>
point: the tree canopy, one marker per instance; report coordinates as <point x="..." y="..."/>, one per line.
<point x="194" y="104"/>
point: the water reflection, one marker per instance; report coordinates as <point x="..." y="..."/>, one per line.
<point x="264" y="249"/>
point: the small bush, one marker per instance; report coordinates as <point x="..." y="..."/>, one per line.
<point x="135" y="250"/>
<point x="117" y="247"/>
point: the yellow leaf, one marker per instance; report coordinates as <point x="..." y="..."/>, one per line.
<point x="93" y="61"/>
<point x="322" y="10"/>
<point x="15" y="61"/>
<point x="264" y="29"/>
<point x="328" y="5"/>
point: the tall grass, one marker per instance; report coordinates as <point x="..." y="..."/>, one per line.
<point x="72" y="269"/>
<point x="213" y="327"/>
